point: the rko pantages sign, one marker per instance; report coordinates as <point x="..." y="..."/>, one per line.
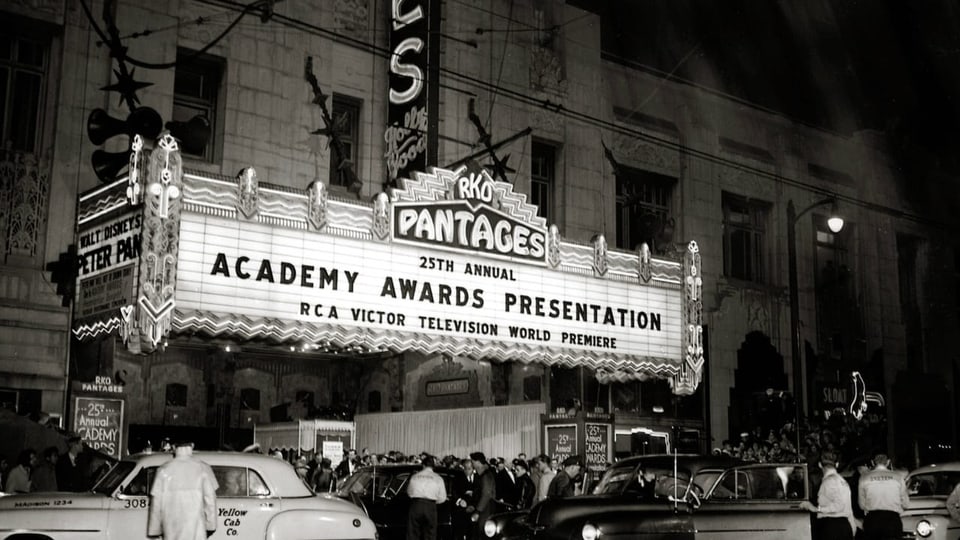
<point x="450" y="262"/>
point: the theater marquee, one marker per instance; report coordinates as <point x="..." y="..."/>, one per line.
<point x="451" y="262"/>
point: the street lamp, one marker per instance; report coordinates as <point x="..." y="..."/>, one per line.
<point x="835" y="224"/>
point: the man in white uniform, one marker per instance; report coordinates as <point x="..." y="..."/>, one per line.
<point x="184" y="498"/>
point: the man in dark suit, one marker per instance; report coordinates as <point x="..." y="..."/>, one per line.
<point x="465" y="500"/>
<point x="346" y="467"/>
<point x="506" y="486"/>
<point x="486" y="493"/>
<point x="69" y="470"/>
<point x="526" y="490"/>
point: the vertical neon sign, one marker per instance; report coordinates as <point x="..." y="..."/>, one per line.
<point x="408" y="118"/>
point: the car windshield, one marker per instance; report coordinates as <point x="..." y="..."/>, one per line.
<point x="618" y="479"/>
<point x="114" y="477"/>
<point x="932" y="484"/>
<point x="378" y="481"/>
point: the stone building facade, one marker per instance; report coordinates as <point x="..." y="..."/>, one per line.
<point x="612" y="149"/>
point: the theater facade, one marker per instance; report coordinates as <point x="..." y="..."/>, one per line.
<point x="230" y="302"/>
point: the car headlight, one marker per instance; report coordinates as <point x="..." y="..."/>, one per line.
<point x="490" y="528"/>
<point x="590" y="532"/>
<point x="924" y="528"/>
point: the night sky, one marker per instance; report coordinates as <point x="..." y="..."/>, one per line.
<point x="843" y="65"/>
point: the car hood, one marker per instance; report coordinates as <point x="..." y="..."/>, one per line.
<point x="334" y="503"/>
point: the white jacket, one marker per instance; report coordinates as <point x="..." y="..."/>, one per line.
<point x="184" y="500"/>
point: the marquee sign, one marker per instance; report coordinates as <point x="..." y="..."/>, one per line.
<point x="452" y="262"/>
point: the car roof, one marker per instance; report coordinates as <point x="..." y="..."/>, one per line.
<point x="278" y="472"/>
<point x="689" y="462"/>
<point x="408" y="467"/>
<point x="949" y="466"/>
<point x="219" y="457"/>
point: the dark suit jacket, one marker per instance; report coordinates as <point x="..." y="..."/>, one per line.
<point x="343" y="469"/>
<point x="487" y="493"/>
<point x="69" y="475"/>
<point x="466" y="489"/>
<point x="527" y="491"/>
<point x="507" y="491"/>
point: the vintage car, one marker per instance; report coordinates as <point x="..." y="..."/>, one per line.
<point x="258" y="497"/>
<point x="382" y="492"/>
<point x="926" y="516"/>
<point x="696" y="497"/>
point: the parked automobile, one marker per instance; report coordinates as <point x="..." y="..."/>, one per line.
<point x="696" y="497"/>
<point x="259" y="497"/>
<point x="926" y="517"/>
<point x="382" y="492"/>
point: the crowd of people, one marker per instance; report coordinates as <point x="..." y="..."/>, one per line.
<point x="48" y="470"/>
<point x="487" y="485"/>
<point x="520" y="481"/>
<point x="840" y="435"/>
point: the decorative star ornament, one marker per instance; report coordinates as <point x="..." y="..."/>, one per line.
<point x="126" y="86"/>
<point x="500" y="168"/>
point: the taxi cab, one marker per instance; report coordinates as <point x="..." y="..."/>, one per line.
<point x="926" y="516"/>
<point x="258" y="497"/>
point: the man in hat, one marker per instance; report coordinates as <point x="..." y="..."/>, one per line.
<point x="882" y="494"/>
<point x="486" y="491"/>
<point x="563" y="483"/>
<point x="426" y="490"/>
<point x="835" y="510"/>
<point x="183" y="502"/>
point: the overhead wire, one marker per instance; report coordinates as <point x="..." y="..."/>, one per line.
<point x="588" y="119"/>
<point x="122" y="56"/>
<point x="503" y="57"/>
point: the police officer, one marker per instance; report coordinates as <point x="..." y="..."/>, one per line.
<point x="882" y="495"/>
<point x="834" y="512"/>
<point x="426" y="490"/>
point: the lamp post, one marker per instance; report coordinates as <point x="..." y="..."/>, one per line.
<point x="835" y="223"/>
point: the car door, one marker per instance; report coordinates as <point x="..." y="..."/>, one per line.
<point x="755" y="502"/>
<point x="128" y="508"/>
<point x="245" y="503"/>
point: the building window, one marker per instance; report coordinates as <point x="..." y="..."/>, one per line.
<point x="23" y="64"/>
<point x="643" y="208"/>
<point x="744" y="229"/>
<point x="249" y="399"/>
<point x="531" y="388"/>
<point x="542" y="178"/>
<point x="196" y="92"/>
<point x="176" y="395"/>
<point x="346" y="122"/>
<point x="839" y="320"/>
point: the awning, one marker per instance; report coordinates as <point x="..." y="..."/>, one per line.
<point x="298" y="435"/>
